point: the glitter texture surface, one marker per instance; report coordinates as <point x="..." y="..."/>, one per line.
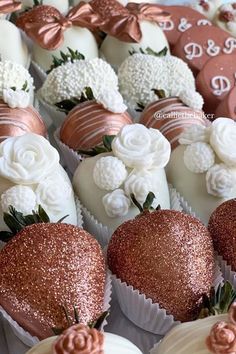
<point x="222" y="226"/>
<point x="47" y="266"/>
<point x="166" y="255"/>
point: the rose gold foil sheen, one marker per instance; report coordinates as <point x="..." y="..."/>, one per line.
<point x="166" y="255"/>
<point x="47" y="266"/>
<point x="171" y="116"/>
<point x="79" y="339"/>
<point x="9" y="6"/>
<point x="46" y="25"/>
<point x="88" y="122"/>
<point x="18" y="121"/>
<point x="122" y="22"/>
<point x="222" y="226"/>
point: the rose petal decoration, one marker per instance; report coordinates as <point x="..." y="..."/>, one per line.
<point x="27" y="159"/>
<point x="222" y="338"/>
<point x="139" y="147"/>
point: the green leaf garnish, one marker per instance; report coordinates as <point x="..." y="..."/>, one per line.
<point x="159" y="93"/>
<point x="16" y="221"/>
<point x="38" y="2"/>
<point x="97" y="150"/>
<point x="149" y="51"/>
<point x="140" y="107"/>
<point x="219" y="300"/>
<point x="67" y="105"/>
<point x="147" y="205"/>
<point x="64" y="58"/>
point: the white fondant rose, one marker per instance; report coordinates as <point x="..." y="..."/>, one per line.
<point x="109" y="173"/>
<point x="52" y="193"/>
<point x="116" y="203"/>
<point x="16" y="98"/>
<point x="139" y="183"/>
<point x="223" y="140"/>
<point x="22" y="198"/>
<point x="139" y="147"/>
<point x="112" y="101"/>
<point x="220" y="181"/>
<point x="194" y="134"/>
<point x="27" y="159"/>
<point x="199" y="157"/>
<point x="192" y="99"/>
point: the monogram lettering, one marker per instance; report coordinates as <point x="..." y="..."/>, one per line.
<point x="212" y="49"/>
<point x="204" y="22"/>
<point x="230" y="45"/>
<point x="167" y="26"/>
<point x="193" y="50"/>
<point x="184" y="25"/>
<point x="220" y="85"/>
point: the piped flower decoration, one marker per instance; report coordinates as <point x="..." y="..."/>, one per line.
<point x="222" y="337"/>
<point x="211" y="150"/>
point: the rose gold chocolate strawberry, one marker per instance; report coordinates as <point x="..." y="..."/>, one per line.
<point x="46" y="267"/>
<point x="166" y="255"/>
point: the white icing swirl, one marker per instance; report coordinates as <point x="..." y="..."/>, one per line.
<point x="112" y="101"/>
<point x="192" y="99"/>
<point x="109" y="173"/>
<point x="139" y="147"/>
<point x="223" y="138"/>
<point x="194" y="134"/>
<point x="22" y="198"/>
<point x="27" y="159"/>
<point x="139" y="183"/>
<point x="220" y="181"/>
<point x="16" y="98"/>
<point x="199" y="157"/>
<point x="116" y="203"/>
<point x="52" y="193"/>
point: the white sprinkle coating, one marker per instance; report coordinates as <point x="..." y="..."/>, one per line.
<point x="69" y="80"/>
<point x="199" y="157"/>
<point x="14" y="75"/>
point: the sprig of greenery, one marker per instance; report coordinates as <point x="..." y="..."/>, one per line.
<point x="24" y="87"/>
<point x="64" y="58"/>
<point x="149" y="51"/>
<point x="219" y="301"/>
<point x="76" y="320"/>
<point x="159" y="93"/>
<point x="16" y="221"/>
<point x="67" y="105"/>
<point x="97" y="150"/>
<point x="147" y="205"/>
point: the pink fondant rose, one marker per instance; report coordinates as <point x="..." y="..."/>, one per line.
<point x="222" y="338"/>
<point x="79" y="339"/>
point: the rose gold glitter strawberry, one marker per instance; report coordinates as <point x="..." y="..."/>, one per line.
<point x="46" y="267"/>
<point x="168" y="256"/>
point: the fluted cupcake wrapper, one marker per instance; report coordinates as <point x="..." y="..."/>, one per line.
<point x="103" y="233"/>
<point x="55" y="114"/>
<point x="227" y="271"/>
<point x="41" y="74"/>
<point x="70" y="157"/>
<point x="143" y="312"/>
<point x="27" y="339"/>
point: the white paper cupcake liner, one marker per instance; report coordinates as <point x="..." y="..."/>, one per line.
<point x="143" y="312"/>
<point x="41" y="74"/>
<point x="70" y="157"/>
<point x="56" y="116"/>
<point x="80" y="220"/>
<point x="227" y="271"/>
<point x="27" y="339"/>
<point x="102" y="233"/>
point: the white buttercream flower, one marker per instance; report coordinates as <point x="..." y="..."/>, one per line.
<point x="223" y="140"/>
<point x="61" y="83"/>
<point x="192" y="98"/>
<point x="52" y="193"/>
<point x="16" y="98"/>
<point x="116" y="204"/>
<point x="109" y="173"/>
<point x="27" y="159"/>
<point x="112" y="101"/>
<point x="14" y="75"/>
<point x="139" y="183"/>
<point x="199" y="157"/>
<point x="194" y="134"/>
<point x="139" y="147"/>
<point x="22" y="198"/>
<point x="220" y="181"/>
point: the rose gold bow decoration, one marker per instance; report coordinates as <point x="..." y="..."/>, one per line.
<point x="8" y="6"/>
<point x="46" y="25"/>
<point x="124" y="22"/>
